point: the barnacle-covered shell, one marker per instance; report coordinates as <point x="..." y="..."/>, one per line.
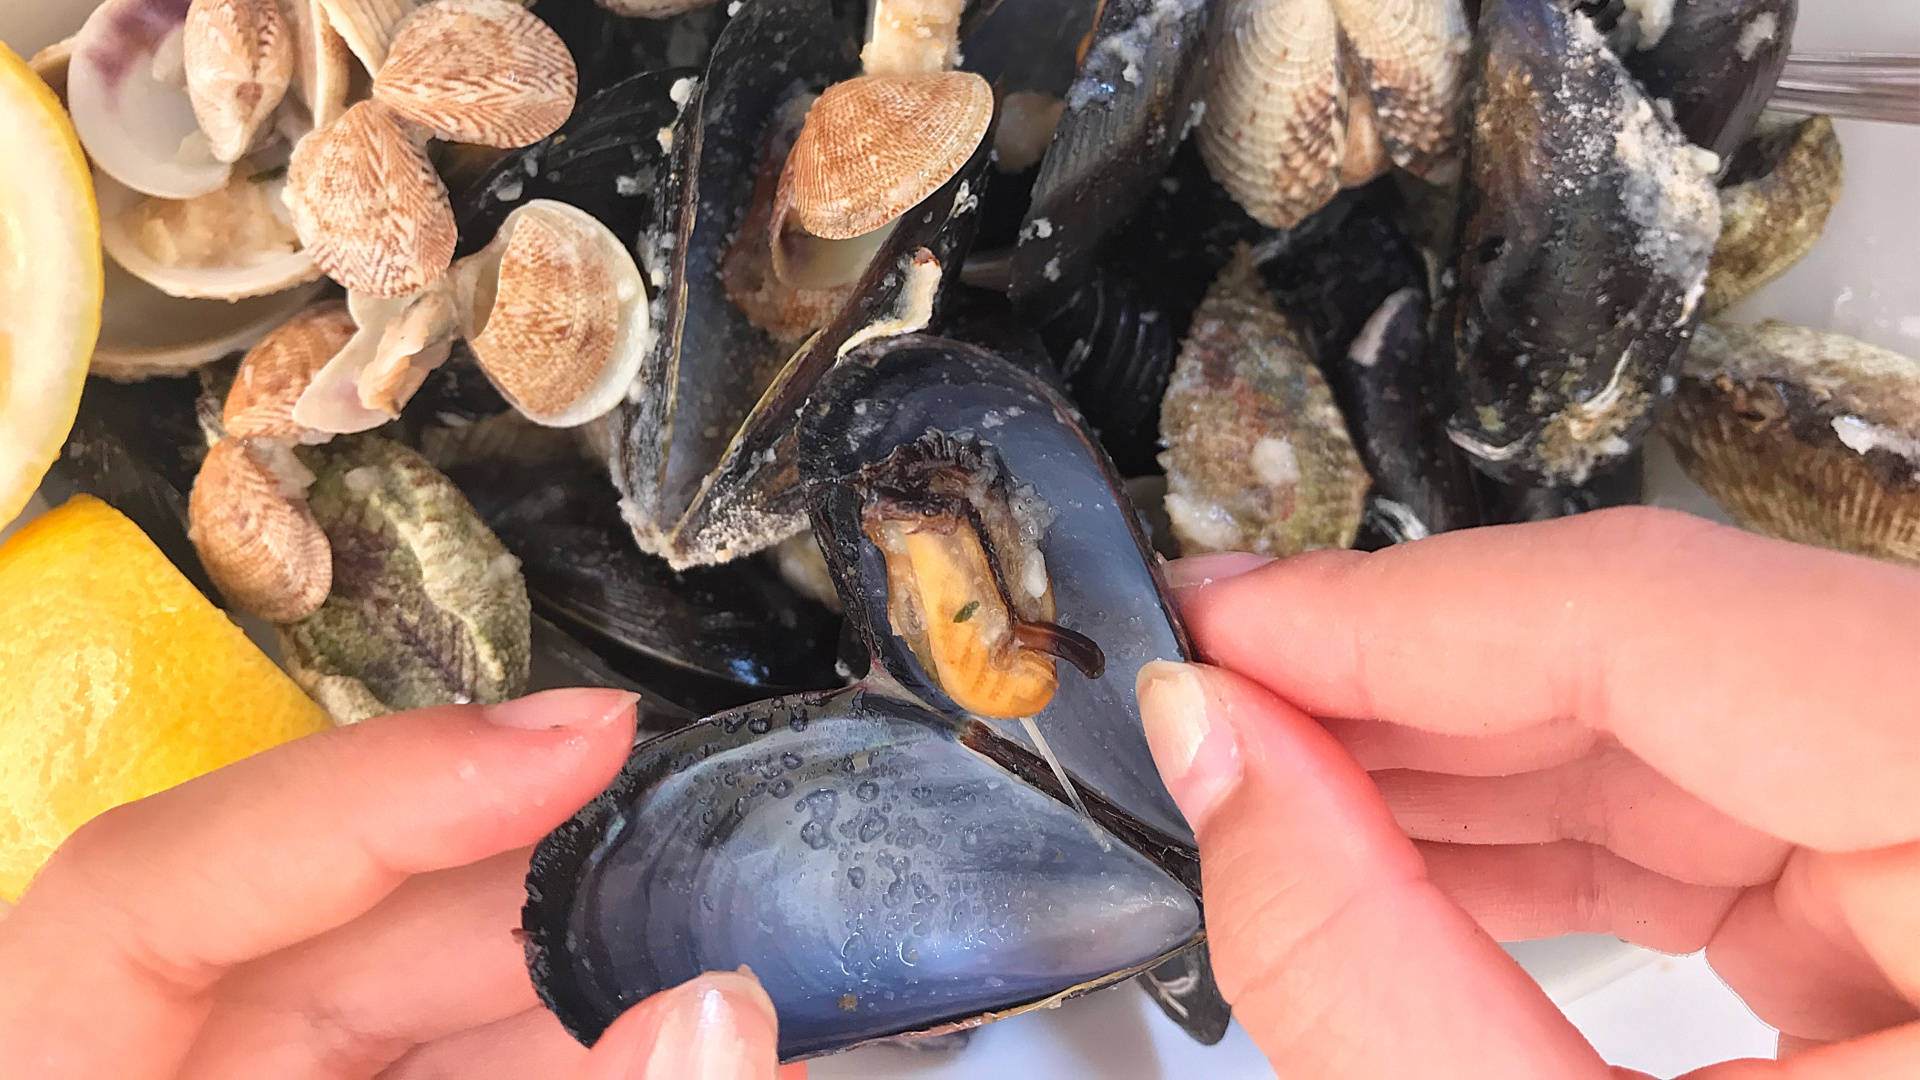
<point x="368" y="25"/>
<point x="229" y="244"/>
<point x="278" y="370"/>
<point x="254" y="531"/>
<point x="426" y="609"/>
<point x="556" y="312"/>
<point x="126" y="92"/>
<point x="1783" y="184"/>
<point x="239" y="61"/>
<point x="479" y="71"/>
<point x="368" y="205"/>
<point x="1258" y="457"/>
<point x="876" y="146"/>
<point x="1804" y="435"/>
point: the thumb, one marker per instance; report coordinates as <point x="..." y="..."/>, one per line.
<point x="719" y="1026"/>
<point x="1336" y="952"/>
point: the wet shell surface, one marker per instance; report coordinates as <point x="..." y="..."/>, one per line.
<point x="239" y="57"/>
<point x="426" y="609"/>
<point x="1804" y="435"/>
<point x="254" y="531"/>
<point x="556" y="312"/>
<point x="874" y="147"/>
<point x="1784" y="184"/>
<point x="479" y="71"/>
<point x="278" y="370"/>
<point x="1258" y="458"/>
<point x="369" y="207"/>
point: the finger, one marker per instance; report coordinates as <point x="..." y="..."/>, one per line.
<point x="149" y="903"/>
<point x="1611" y="799"/>
<point x="1702" y="649"/>
<point x="1819" y="956"/>
<point x="435" y="958"/>
<point x="719" y="1026"/>
<point x="1377" y="745"/>
<point x="525" y="1046"/>
<point x="1889" y="1053"/>
<point x="1521" y="893"/>
<point x="1338" y="954"/>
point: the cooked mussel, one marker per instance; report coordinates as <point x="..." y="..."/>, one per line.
<point x="1588" y="224"/>
<point x="1716" y="62"/>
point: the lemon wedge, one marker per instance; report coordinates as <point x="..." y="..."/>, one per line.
<point x="50" y="279"/>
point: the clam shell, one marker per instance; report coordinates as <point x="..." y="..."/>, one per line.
<point x="254" y="531"/>
<point x="278" y="370"/>
<point x="51" y="64"/>
<point x="1804" y="435"/>
<point x="228" y="244"/>
<point x="1258" y="457"/>
<point x="323" y="65"/>
<point x="368" y="26"/>
<point x="653" y="9"/>
<point x="426" y="608"/>
<point x="1410" y="58"/>
<point x="369" y="207"/>
<point x="367" y="381"/>
<point x="556" y="313"/>
<point x="240" y="60"/>
<point x="145" y="332"/>
<point x="479" y="71"/>
<point x="126" y="92"/>
<point x="912" y="37"/>
<point x="1785" y="184"/>
<point x="876" y="146"/>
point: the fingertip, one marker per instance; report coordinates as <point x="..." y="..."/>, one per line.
<point x="581" y="709"/>
<point x="1194" y="747"/>
<point x="716" y="1026"/>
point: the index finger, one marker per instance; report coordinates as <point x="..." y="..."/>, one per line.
<point x="1773" y="680"/>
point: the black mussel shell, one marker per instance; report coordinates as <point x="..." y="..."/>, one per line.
<point x="1136" y="95"/>
<point x="1573" y="311"/>
<point x="1718" y="64"/>
<point x="137" y="447"/>
<point x="1115" y="353"/>
<point x="891" y="393"/>
<point x="1185" y="990"/>
<point x="560" y="662"/>
<point x="1334" y="277"/>
<point x="1622" y="485"/>
<point x="707" y="639"/>
<point x="609" y="48"/>
<point x="881" y="869"/>
<point x="608" y="159"/>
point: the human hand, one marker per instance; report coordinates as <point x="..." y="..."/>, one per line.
<point x="1631" y="723"/>
<point x="343" y="906"/>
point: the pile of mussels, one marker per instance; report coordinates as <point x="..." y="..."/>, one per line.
<point x="802" y="366"/>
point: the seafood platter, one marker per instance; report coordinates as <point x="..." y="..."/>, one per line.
<point x="837" y="374"/>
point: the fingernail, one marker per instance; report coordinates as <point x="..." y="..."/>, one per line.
<point x="719" y="1026"/>
<point x="1195" y="751"/>
<point x="552" y="710"/>
<point x="1201" y="570"/>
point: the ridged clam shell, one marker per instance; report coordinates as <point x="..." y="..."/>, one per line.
<point x="278" y="370"/>
<point x="1275" y="130"/>
<point x="240" y="61"/>
<point x="558" y="315"/>
<point x="1770" y="222"/>
<point x="874" y="147"/>
<point x="256" y="536"/>
<point x="368" y="25"/>
<point x="369" y="206"/>
<point x="479" y="71"/>
<point x="1258" y="457"/>
<point x="1804" y="435"/>
<point x="1412" y="59"/>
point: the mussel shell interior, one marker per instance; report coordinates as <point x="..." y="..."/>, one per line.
<point x="890" y="392"/>
<point x="876" y="873"/>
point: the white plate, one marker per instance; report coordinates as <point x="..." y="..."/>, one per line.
<point x="1863" y="279"/>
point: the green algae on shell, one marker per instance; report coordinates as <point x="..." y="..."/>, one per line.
<point x="1783" y="185"/>
<point x="427" y="607"/>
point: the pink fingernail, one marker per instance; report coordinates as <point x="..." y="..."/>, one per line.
<point x="553" y="710"/>
<point x="1196" y="751"/>
<point x="1201" y="570"/>
<point x="719" y="1026"/>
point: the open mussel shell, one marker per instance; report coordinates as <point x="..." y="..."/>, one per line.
<point x="1130" y="106"/>
<point x="1717" y="62"/>
<point x="881" y="869"/>
<point x="1804" y="435"/>
<point x="705" y="457"/>
<point x="1185" y="990"/>
<point x="890" y="394"/>
<point x="558" y="661"/>
<point x="1780" y="188"/>
<point x="608" y="48"/>
<point x="1573" y="312"/>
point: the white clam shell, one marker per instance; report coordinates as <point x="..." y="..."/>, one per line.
<point x="126" y="90"/>
<point x="144" y="332"/>
<point x="238" y="242"/>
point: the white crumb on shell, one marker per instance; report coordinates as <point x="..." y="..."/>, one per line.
<point x="1275" y="463"/>
<point x="1862" y="436"/>
<point x="1763" y="29"/>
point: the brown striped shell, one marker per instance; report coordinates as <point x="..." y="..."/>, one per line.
<point x="323" y="65"/>
<point x="1769" y="221"/>
<point x="239" y="58"/>
<point x="367" y="26"/>
<point x="1804" y="435"/>
<point x="479" y="71"/>
<point x="278" y="370"/>
<point x="248" y="519"/>
<point x="368" y="205"/>
<point x="1410" y="57"/>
